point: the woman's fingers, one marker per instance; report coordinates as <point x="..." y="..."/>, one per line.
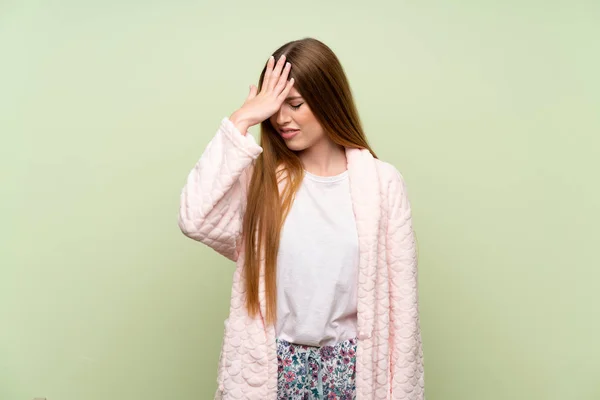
<point x="276" y="72"/>
<point x="283" y="78"/>
<point x="286" y="90"/>
<point x="268" y="72"/>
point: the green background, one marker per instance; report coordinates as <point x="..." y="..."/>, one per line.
<point x="490" y="109"/>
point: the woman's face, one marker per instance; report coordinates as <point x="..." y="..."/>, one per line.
<point x="294" y="114"/>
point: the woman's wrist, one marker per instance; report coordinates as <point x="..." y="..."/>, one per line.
<point x="240" y="122"/>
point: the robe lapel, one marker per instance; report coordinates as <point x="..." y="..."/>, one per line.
<point x="364" y="190"/>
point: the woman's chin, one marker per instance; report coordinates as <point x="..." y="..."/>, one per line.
<point x="295" y="146"/>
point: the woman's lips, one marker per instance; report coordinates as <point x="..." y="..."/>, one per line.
<point x="290" y="134"/>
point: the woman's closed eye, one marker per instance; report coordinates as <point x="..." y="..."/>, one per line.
<point x="295" y="107"/>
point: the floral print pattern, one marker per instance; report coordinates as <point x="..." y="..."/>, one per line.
<point x="316" y="373"/>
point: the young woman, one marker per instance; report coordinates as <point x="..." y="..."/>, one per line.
<point x="324" y="299"/>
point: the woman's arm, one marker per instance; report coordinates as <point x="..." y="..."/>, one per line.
<point x="406" y="366"/>
<point x="213" y="199"/>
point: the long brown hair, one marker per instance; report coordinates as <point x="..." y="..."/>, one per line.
<point x="321" y="81"/>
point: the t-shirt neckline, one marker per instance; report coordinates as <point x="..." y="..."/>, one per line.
<point x="319" y="178"/>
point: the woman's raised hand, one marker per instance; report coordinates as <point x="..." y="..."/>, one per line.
<point x="260" y="106"/>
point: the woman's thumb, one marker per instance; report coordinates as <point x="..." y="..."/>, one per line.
<point x="252" y="93"/>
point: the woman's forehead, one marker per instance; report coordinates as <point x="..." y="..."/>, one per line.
<point x="293" y="93"/>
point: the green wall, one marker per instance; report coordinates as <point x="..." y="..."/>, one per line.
<point x="489" y="109"/>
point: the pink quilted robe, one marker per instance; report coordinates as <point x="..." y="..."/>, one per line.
<point x="389" y="354"/>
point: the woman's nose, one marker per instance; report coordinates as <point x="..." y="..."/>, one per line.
<point x="282" y="116"/>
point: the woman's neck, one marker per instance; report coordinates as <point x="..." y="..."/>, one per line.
<point x="324" y="158"/>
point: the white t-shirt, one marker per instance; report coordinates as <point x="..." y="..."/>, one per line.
<point x="317" y="264"/>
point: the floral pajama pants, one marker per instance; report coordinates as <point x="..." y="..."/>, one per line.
<point x="316" y="373"/>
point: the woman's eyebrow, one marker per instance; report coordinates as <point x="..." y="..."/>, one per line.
<point x="293" y="97"/>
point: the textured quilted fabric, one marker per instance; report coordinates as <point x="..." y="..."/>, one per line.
<point x="389" y="353"/>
